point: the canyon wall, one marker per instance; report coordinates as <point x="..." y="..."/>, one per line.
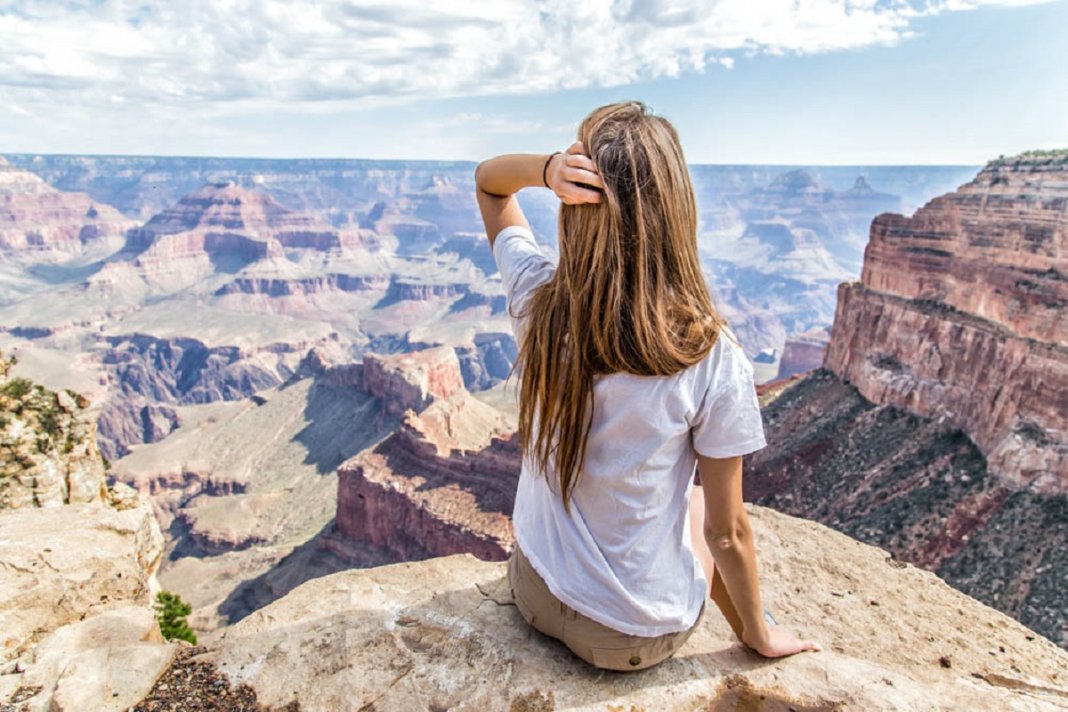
<point x="152" y="376"/>
<point x="918" y="487"/>
<point x="959" y="314"/>
<point x="938" y="428"/>
<point x="443" y="482"/>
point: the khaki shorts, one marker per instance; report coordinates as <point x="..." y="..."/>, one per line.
<point x="594" y="642"/>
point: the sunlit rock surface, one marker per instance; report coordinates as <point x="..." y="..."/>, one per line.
<point x="443" y="634"/>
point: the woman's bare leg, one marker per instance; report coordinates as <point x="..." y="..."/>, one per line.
<point x="717" y="589"/>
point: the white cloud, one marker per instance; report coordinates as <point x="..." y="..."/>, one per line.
<point x="211" y="53"/>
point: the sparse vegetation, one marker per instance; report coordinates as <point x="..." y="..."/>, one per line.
<point x="171" y="611"/>
<point x="17" y="388"/>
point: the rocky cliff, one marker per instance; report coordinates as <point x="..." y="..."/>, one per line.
<point x="48" y="452"/>
<point x="959" y="314"/>
<point x="444" y="482"/>
<point x="939" y="428"/>
<point x="921" y="489"/>
<point x="444" y="634"/>
<point x="77" y="625"/>
<point x="40" y="223"/>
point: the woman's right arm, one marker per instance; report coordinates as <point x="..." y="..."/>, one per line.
<point x="730" y="540"/>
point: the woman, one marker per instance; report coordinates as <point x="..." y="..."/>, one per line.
<point x="627" y="378"/>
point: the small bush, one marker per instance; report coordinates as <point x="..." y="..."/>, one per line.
<point x="17" y="387"/>
<point x="171" y="611"/>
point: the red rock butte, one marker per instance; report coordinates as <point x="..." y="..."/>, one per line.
<point x="960" y="313"/>
<point x="224" y="209"/>
<point x="444" y="482"/>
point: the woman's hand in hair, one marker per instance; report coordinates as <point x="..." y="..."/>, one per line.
<point x="573" y="176"/>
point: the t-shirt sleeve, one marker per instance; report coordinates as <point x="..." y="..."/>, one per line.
<point x="523" y="266"/>
<point x="728" y="420"/>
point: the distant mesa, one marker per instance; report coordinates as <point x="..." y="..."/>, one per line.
<point x="221" y="228"/>
<point x="40" y="223"/>
<point x="223" y="207"/>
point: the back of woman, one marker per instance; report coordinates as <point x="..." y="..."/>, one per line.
<point x="627" y="376"/>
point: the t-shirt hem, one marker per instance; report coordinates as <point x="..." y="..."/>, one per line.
<point x="743" y="448"/>
<point x="598" y="616"/>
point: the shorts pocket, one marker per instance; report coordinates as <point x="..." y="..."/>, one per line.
<point x="622" y="659"/>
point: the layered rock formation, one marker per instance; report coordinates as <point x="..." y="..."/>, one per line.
<point x="392" y="459"/>
<point x="221" y="227"/>
<point x="489" y="361"/>
<point x="444" y="482"/>
<point x="48" y="452"/>
<point x="277" y="287"/>
<point x="444" y="634"/>
<point x="804" y="351"/>
<point x="411" y="381"/>
<point x="960" y="314"/>
<point x="40" y="223"/>
<point x="151" y="377"/>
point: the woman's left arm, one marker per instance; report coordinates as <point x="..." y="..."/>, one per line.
<point x="498" y="179"/>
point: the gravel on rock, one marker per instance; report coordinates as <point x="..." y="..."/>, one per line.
<point x="195" y="686"/>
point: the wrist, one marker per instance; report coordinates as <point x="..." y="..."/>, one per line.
<point x="545" y="168"/>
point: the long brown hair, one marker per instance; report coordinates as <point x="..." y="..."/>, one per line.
<point x="628" y="294"/>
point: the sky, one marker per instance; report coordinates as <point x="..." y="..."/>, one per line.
<point x="803" y="82"/>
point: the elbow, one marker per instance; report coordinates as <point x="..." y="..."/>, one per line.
<point x="728" y="537"/>
<point x="478" y="175"/>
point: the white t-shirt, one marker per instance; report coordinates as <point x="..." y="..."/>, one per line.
<point x="623" y="555"/>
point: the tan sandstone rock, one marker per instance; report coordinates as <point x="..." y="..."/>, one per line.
<point x="105" y="663"/>
<point x="443" y="634"/>
<point x="63" y="564"/>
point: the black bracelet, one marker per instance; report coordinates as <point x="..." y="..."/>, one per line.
<point x="545" y="168"/>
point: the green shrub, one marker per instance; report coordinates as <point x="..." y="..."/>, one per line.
<point x="171" y="611"/>
<point x="17" y="387"/>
